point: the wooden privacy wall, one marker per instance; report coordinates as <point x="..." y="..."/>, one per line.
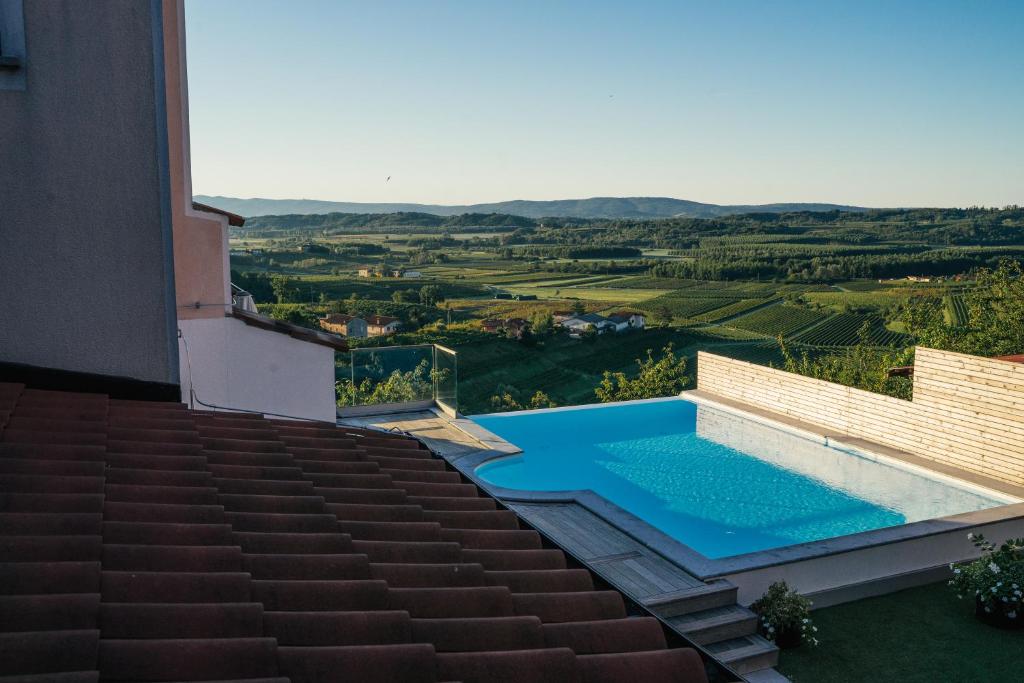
<point x="967" y="411"/>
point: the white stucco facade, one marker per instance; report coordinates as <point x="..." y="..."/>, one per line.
<point x="248" y="368"/>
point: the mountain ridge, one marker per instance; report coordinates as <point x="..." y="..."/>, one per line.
<point x="592" y="207"/>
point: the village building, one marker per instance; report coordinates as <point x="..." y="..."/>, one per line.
<point x="381" y="325"/>
<point x="347" y="325"/>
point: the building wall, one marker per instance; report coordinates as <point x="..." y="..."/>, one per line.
<point x="967" y="412"/>
<point x="85" y="244"/>
<point x="201" y="258"/>
<point x="243" y="367"/>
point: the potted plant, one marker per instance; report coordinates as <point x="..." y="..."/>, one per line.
<point x="784" y="616"/>
<point x="995" y="581"/>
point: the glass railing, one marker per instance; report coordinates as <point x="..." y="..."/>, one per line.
<point x="399" y="376"/>
<point x="446" y="379"/>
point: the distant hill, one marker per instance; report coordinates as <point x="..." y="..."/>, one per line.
<point x="595" y="207"/>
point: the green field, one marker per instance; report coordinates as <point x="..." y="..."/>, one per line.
<point x="842" y="329"/>
<point x="782" y="320"/>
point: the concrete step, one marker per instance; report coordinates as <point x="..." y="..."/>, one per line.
<point x="695" y="599"/>
<point x="746" y="654"/>
<point x="715" y="624"/>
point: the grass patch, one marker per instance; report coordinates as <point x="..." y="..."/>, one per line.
<point x="921" y="634"/>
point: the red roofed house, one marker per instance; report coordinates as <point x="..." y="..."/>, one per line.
<point x="381" y="325"/>
<point x="347" y="325"/>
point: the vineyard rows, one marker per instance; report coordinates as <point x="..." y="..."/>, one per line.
<point x="687" y="306"/>
<point x="957" y="309"/>
<point x="843" y="329"/>
<point x="778" y="320"/>
<point x="730" y="310"/>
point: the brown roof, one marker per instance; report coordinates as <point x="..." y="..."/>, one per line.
<point x="338" y="318"/>
<point x="233" y="218"/>
<point x="380" y="320"/>
<point x="334" y="341"/>
<point x="1013" y="358"/>
<point x="144" y="541"/>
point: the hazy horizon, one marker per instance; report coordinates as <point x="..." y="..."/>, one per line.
<point x="869" y="104"/>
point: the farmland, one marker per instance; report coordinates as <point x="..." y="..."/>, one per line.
<point x="732" y="285"/>
<point x="781" y="320"/>
<point x="843" y="329"/>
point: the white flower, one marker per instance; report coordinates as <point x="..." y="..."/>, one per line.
<point x="993" y="589"/>
<point x="807" y="621"/>
<point x="993" y="567"/>
<point x="956" y="571"/>
<point x="1004" y="599"/>
<point x="813" y="628"/>
<point x="988" y="609"/>
<point x="970" y="537"/>
<point x="1012" y="615"/>
<point x="950" y="565"/>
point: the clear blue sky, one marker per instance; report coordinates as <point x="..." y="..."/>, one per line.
<point x="906" y="103"/>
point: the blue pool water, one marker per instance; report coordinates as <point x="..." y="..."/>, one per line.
<point x="716" y="481"/>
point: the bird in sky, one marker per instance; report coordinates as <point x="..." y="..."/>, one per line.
<point x="388" y="179"/>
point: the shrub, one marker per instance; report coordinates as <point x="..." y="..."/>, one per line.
<point x="996" y="579"/>
<point x="782" y="614"/>
<point x="665" y="376"/>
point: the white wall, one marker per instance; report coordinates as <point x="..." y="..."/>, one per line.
<point x="245" y="367"/>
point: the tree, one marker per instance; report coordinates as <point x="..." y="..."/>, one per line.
<point x="665" y="376"/>
<point x="285" y="289"/>
<point x="862" y="366"/>
<point x="578" y="307"/>
<point x="398" y="387"/>
<point x="506" y="401"/>
<point x="542" y="324"/>
<point x="995" y="316"/>
<point x="430" y="295"/>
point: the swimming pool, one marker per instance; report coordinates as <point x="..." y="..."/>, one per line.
<point x="718" y="482"/>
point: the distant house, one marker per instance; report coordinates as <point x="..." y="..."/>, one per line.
<point x="627" y="320"/>
<point x="348" y="325"/>
<point x="514" y="327"/>
<point x="367" y="272"/>
<point x="412" y="274"/>
<point x="381" y="325"/>
<point x="579" y="324"/>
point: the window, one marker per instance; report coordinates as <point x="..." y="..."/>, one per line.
<point x="12" y="45"/>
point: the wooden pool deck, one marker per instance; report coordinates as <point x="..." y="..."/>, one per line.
<point x="704" y="613"/>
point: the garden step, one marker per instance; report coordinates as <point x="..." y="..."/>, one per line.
<point x="695" y="599"/>
<point x="716" y="624"/>
<point x="746" y="654"/>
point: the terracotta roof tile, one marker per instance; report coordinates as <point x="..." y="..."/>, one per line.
<point x="145" y="541"/>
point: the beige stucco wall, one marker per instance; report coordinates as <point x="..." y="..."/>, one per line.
<point x="85" y="236"/>
<point x="967" y="412"/>
<point x="201" y="266"/>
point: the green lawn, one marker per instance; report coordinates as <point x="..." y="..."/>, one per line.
<point x="921" y="634"/>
